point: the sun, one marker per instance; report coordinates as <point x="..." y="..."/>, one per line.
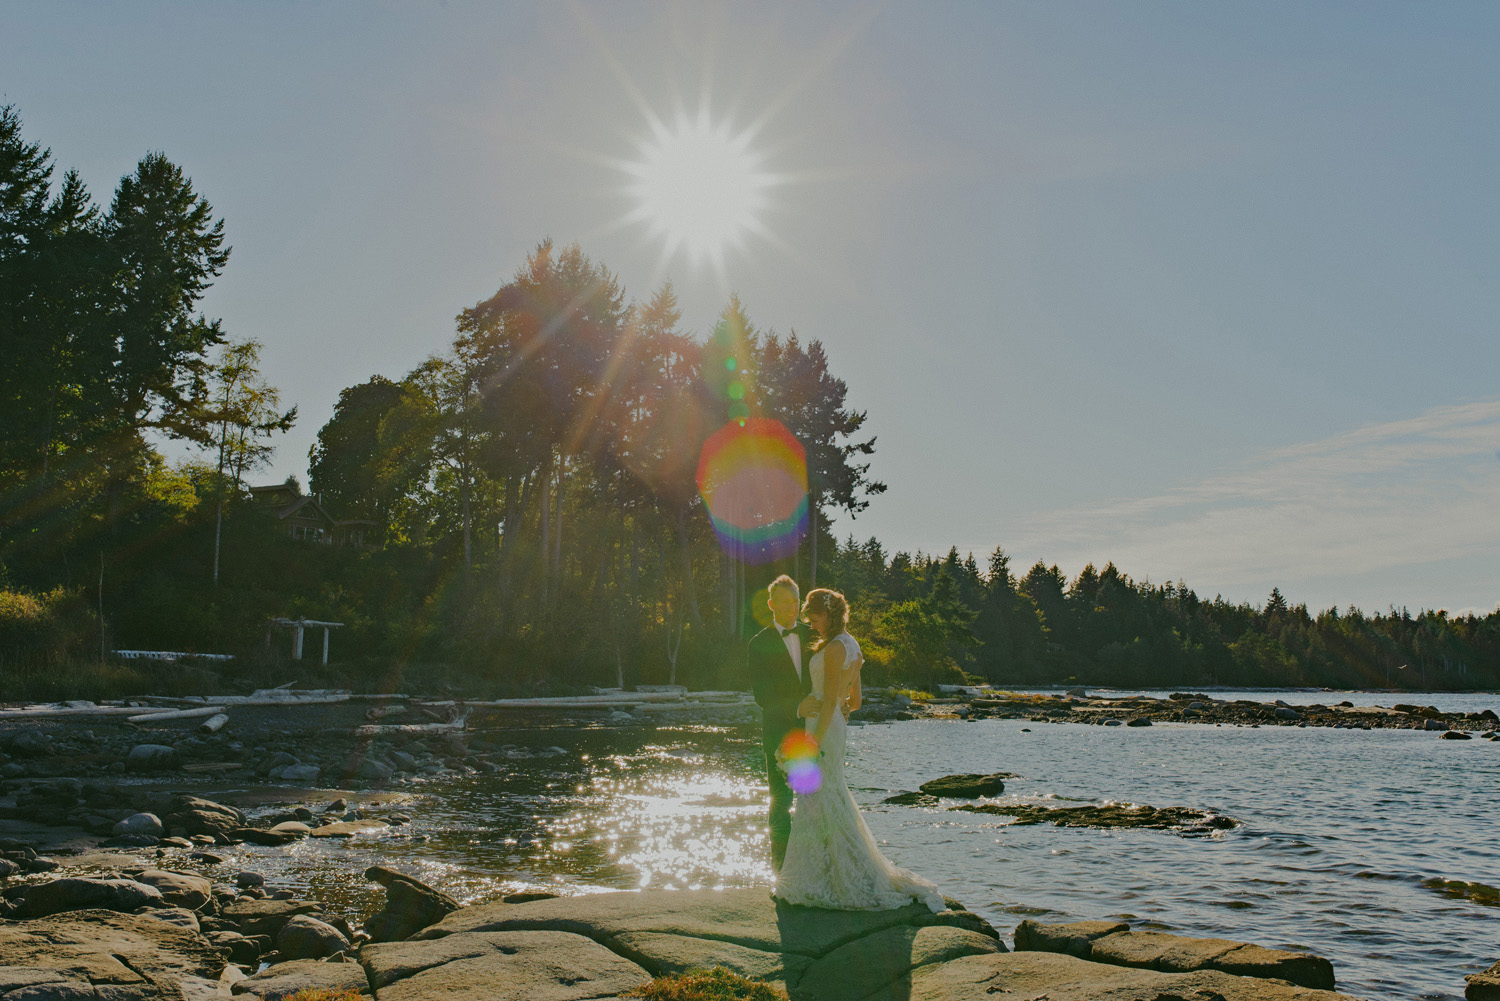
<point x="698" y="185"/>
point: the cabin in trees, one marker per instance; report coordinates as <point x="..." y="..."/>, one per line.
<point x="303" y="516"/>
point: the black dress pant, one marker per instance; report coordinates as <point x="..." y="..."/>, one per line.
<point x="779" y="816"/>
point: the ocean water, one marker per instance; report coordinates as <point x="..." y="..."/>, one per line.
<point x="1341" y="831"/>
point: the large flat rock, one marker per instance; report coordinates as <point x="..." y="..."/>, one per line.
<point x="499" y="966"/>
<point x="145" y="957"/>
<point x="747" y="917"/>
<point x="285" y="979"/>
<point x="873" y="965"/>
<point x="1026" y="975"/>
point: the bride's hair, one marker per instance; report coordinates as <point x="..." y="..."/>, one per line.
<point x="832" y="604"/>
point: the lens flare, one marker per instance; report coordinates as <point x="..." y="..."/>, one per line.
<point x="801" y="757"/>
<point x="752" y="474"/>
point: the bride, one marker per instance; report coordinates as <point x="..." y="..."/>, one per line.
<point x="832" y="861"/>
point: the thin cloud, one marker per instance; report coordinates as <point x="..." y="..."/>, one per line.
<point x="1379" y="498"/>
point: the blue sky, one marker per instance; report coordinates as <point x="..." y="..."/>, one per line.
<point x="1206" y="289"/>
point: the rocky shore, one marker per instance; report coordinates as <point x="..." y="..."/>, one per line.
<point x="191" y="935"/>
<point x="1077" y="706"/>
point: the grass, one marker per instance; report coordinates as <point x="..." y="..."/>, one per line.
<point x="915" y="694"/>
<point x="717" y="984"/>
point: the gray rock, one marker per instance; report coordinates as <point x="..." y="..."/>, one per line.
<point x="146" y="757"/>
<point x="374" y="770"/>
<point x="1456" y="735"/>
<point x="300" y="773"/>
<point x="133" y="951"/>
<point x="967" y="786"/>
<point x="502" y="966"/>
<point x="203" y="816"/>
<point x="179" y="916"/>
<point x="1287" y="712"/>
<point x="285" y="979"/>
<point x="305" y="937"/>
<point x="141" y="824"/>
<point x="75" y="893"/>
<point x="1075" y="939"/>
<point x="30" y="744"/>
<point x="1435" y="724"/>
<point x="246" y="878"/>
<point x="266" y="917"/>
<point x="1179" y="954"/>
<point x="179" y="889"/>
<point x="1483" y="986"/>
<point x="348" y="828"/>
<point x="1138" y="721"/>
<point x="410" y="906"/>
<point x="242" y="950"/>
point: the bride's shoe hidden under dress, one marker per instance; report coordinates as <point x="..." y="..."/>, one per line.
<point x="832" y="860"/>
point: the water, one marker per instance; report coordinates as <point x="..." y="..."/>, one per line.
<point x="1339" y="829"/>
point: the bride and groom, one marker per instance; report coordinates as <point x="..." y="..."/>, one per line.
<point x="806" y="678"/>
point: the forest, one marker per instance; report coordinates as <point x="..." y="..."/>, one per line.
<point x="530" y="515"/>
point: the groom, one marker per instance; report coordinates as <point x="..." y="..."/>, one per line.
<point x="779" y="677"/>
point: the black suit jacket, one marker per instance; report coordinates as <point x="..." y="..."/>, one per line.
<point x="773" y="679"/>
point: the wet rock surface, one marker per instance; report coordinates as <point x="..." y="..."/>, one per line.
<point x="1180" y="819"/>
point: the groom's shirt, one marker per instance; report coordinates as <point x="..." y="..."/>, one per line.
<point x="793" y="647"/>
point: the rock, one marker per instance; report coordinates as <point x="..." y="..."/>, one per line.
<point x="179" y="889"/>
<point x="1078" y="693"/>
<point x="372" y="769"/>
<point x="305" y="937"/>
<point x="911" y="799"/>
<point x="296" y="827"/>
<point x="871" y="965"/>
<point x="348" y="828"/>
<point x="500" y="965"/>
<point x="77" y="893"/>
<point x="147" y="757"/>
<point x="1435" y="724"/>
<point x="967" y="786"/>
<point x="1113" y="722"/>
<point x="266" y="917"/>
<point x="246" y="878"/>
<point x="1483" y="986"/>
<point x="30" y="744"/>
<point x="131" y="841"/>
<point x="129" y="956"/>
<point x="8" y="868"/>
<point x="286" y="979"/>
<point x="1182" y="819"/>
<point x="242" y="950"/>
<point x="1456" y="735"/>
<point x="337" y="806"/>
<point x="1287" y="712"/>
<point x="300" y="773"/>
<point x="202" y="816"/>
<point x="1138" y="721"/>
<point x="269" y="839"/>
<point x="1180" y="954"/>
<point x="1075" y="938"/>
<point x="179" y="916"/>
<point x="410" y="906"/>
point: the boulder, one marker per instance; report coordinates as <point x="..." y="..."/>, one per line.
<point x="348" y="828"/>
<point x="410" y="905"/>
<point x="140" y="823"/>
<point x="967" y="786"/>
<point x="148" y="757"/>
<point x="1181" y="954"/>
<point x="126" y="956"/>
<point x="1138" y="721"/>
<point x="1435" y="724"/>
<point x="269" y="839"/>
<point x="179" y="889"/>
<point x="1483" y="986"/>
<point x="30" y="744"/>
<point x="871" y="965"/>
<point x="204" y="816"/>
<point x="76" y="893"/>
<point x="266" y="917"/>
<point x="500" y="966"/>
<point x="1075" y="938"/>
<point x="286" y="979"/>
<point x="305" y="937"/>
<point x="242" y="950"/>
<point x="246" y="878"/>
<point x="179" y="916"/>
<point x="1287" y="712"/>
<point x="300" y="773"/>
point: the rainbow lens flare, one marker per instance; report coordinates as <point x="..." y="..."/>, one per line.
<point x="752" y="474"/>
<point x="800" y="756"/>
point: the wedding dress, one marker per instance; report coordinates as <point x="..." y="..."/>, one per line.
<point x="832" y="860"/>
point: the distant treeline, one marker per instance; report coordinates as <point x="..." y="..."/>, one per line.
<point x="534" y="519"/>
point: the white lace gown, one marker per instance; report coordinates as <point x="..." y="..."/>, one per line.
<point x="832" y="860"/>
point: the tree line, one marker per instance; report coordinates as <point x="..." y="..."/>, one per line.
<point x="532" y="490"/>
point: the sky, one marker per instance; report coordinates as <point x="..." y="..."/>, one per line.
<point x="1208" y="290"/>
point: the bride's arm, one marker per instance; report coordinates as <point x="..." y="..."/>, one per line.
<point x="856" y="688"/>
<point x="833" y="668"/>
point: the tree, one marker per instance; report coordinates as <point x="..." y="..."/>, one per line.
<point x="243" y="412"/>
<point x="344" y="463"/>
